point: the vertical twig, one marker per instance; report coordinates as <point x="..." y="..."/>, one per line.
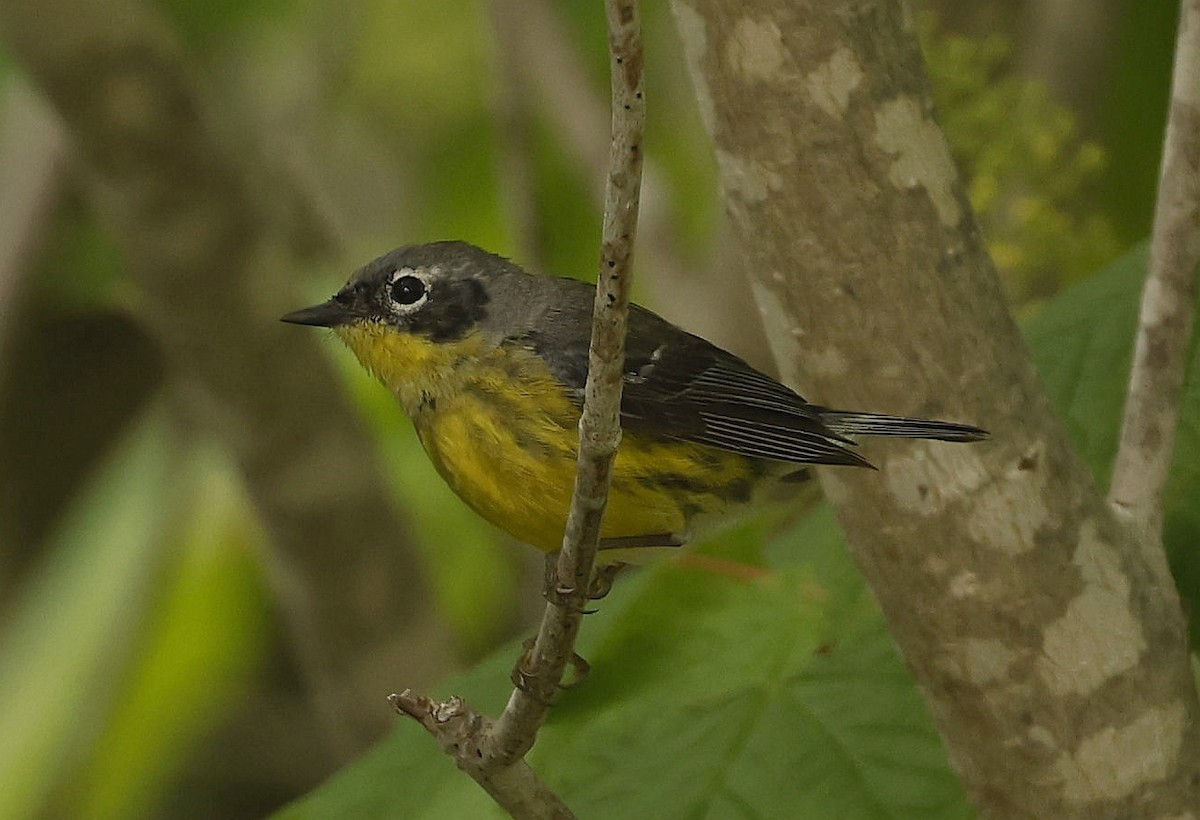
<point x="1168" y="301"/>
<point x="492" y="752"/>
<point x="599" y="426"/>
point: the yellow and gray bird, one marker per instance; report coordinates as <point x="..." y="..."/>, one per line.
<point x="489" y="362"/>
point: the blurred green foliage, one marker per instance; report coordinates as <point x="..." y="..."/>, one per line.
<point x="1131" y="110"/>
<point x="1032" y="177"/>
<point x="420" y="83"/>
<point x="84" y="245"/>
<point x="67" y="633"/>
<point x="141" y="628"/>
<point x="202" y="26"/>
<point x="144" y="621"/>
<point x="202" y="644"/>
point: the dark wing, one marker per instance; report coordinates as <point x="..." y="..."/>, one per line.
<point x="679" y="386"/>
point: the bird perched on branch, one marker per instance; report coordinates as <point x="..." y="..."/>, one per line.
<point x="489" y="362"/>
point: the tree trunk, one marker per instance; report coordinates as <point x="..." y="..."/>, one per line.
<point x="1050" y="649"/>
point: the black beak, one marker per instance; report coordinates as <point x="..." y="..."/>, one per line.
<point x="326" y="314"/>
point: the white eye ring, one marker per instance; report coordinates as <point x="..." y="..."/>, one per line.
<point x="408" y="289"/>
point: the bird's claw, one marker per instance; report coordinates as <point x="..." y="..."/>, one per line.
<point x="527" y="681"/>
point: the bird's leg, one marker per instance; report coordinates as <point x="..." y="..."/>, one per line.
<point x="600" y="584"/>
<point x="553" y="591"/>
<point x="580" y="669"/>
<point x="655" y="539"/>
<point x="523" y="677"/>
<point x="602" y="580"/>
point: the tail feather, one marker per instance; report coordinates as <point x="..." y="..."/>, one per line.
<point x="874" y="424"/>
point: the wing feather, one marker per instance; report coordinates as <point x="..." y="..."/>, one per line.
<point x="680" y="386"/>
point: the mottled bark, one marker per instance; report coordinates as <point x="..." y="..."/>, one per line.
<point x="213" y="238"/>
<point x="1051" y="649"/>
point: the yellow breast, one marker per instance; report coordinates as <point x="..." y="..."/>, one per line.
<point x="503" y="434"/>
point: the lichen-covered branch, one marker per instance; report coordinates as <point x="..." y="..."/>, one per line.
<point x="1052" y="652"/>
<point x="1168" y="304"/>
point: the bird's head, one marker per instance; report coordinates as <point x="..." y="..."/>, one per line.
<point x="410" y="314"/>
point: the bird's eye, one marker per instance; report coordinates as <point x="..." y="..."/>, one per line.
<point x="407" y="290"/>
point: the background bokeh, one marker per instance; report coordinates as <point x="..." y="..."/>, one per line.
<point x="151" y="664"/>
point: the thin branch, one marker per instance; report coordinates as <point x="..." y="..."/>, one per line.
<point x="1168" y="302"/>
<point x="459" y="729"/>
<point x="492" y="752"/>
<point x="599" y="426"/>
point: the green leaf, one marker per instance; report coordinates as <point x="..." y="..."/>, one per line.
<point x="717" y="697"/>
<point x="1082" y="345"/>
<point x="710" y="696"/>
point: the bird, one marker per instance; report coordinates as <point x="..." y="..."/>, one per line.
<point x="489" y="362"/>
